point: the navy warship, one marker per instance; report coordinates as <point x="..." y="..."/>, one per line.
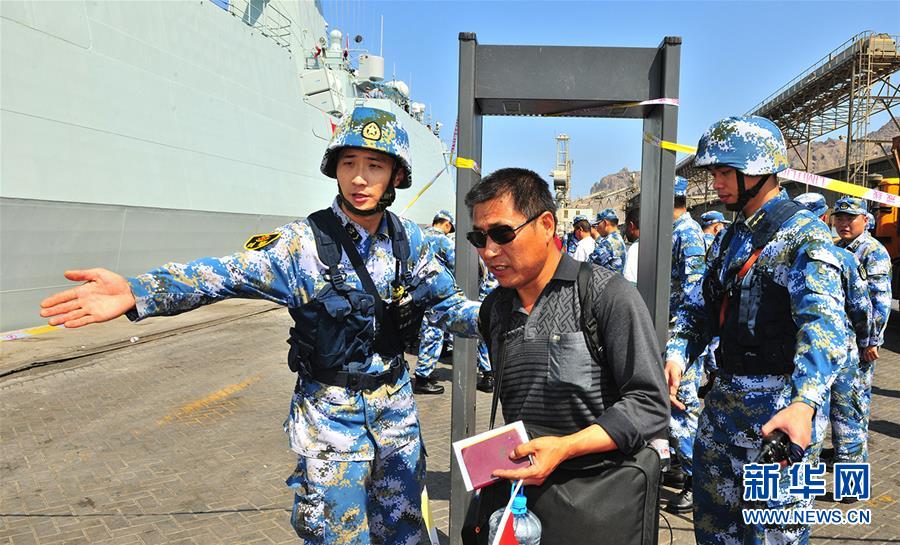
<point x="135" y="133"/>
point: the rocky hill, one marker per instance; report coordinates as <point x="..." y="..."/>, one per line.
<point x="618" y="180"/>
<point x="830" y="153"/>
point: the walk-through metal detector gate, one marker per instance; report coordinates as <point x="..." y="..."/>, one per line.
<point x="575" y="82"/>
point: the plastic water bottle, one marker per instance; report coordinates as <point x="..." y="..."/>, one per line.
<point x="526" y="525"/>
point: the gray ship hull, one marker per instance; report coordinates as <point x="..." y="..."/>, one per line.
<point x="135" y="133"/>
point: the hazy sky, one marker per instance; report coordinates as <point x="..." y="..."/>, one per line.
<point x="734" y="54"/>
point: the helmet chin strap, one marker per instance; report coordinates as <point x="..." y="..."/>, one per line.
<point x="744" y="194"/>
<point x="387" y="198"/>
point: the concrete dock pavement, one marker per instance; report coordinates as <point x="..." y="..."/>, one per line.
<point x="177" y="438"/>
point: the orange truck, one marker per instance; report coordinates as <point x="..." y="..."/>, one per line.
<point x="887" y="221"/>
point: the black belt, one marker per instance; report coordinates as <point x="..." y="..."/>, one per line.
<point x="359" y="381"/>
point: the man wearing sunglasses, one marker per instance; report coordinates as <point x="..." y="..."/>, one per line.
<point x="570" y="403"/>
<point x="356" y="280"/>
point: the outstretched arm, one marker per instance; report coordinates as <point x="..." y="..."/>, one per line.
<point x="103" y="296"/>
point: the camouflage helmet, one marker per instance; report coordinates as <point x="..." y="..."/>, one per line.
<point x="752" y="145"/>
<point x="680" y="185"/>
<point x="870" y="223"/>
<point x="370" y="128"/>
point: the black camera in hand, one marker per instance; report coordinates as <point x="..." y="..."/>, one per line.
<point x="777" y="448"/>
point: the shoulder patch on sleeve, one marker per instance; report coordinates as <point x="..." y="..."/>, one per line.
<point x="819" y="253"/>
<point x="258" y="242"/>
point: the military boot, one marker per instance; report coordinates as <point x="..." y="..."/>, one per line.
<point x="427" y="385"/>
<point x="675" y="477"/>
<point x="683" y="502"/>
<point x="486" y="382"/>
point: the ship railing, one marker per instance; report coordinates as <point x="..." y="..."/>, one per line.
<point x="263" y="16"/>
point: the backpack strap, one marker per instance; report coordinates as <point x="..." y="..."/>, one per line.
<point x="327" y="228"/>
<point x="772" y="220"/>
<point x="588" y="318"/>
<point x="328" y="249"/>
<point x="503" y="295"/>
<point x="399" y="247"/>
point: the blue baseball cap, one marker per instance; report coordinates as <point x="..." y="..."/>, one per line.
<point x="680" y="186"/>
<point x="606" y="214"/>
<point x="579" y="217"/>
<point x="711" y="217"/>
<point x="850" y="205"/>
<point x="445" y="215"/>
<point x="814" y="202"/>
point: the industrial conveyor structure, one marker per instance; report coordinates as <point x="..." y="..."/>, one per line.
<point x="843" y="90"/>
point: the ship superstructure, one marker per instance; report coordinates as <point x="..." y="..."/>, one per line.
<point x="134" y="133"/>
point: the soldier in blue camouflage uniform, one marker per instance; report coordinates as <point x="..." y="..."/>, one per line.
<point x="844" y="412"/>
<point x="712" y="223"/>
<point x="485" y="372"/>
<point x="688" y="267"/>
<point x="852" y="393"/>
<point x="353" y="420"/>
<point x="431" y="339"/>
<point x="768" y="297"/>
<point x="610" y="250"/>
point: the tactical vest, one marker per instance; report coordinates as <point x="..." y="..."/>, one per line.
<point x="751" y="313"/>
<point x="333" y="335"/>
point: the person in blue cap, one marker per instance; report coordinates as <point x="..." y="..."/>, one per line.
<point x="431" y="339"/>
<point x="712" y="223"/>
<point x="582" y="232"/>
<point x="356" y="280"/>
<point x="688" y="266"/>
<point x="853" y="392"/>
<point x="844" y="406"/>
<point x="772" y="293"/>
<point x="610" y="246"/>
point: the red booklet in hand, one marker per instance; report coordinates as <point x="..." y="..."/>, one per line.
<point x="480" y="455"/>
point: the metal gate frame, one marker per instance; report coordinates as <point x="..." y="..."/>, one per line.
<point x="575" y="82"/>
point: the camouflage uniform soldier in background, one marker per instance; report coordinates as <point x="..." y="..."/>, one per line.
<point x="852" y="394"/>
<point x="845" y="413"/>
<point x="688" y="266"/>
<point x="712" y="223"/>
<point x="354" y="278"/>
<point x="610" y="250"/>
<point x="772" y="292"/>
<point x="431" y="339"/>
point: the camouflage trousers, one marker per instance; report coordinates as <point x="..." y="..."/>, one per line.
<point x="360" y="502"/>
<point x="683" y="423"/>
<point x="729" y="437"/>
<point x="851" y="396"/>
<point x="431" y="340"/>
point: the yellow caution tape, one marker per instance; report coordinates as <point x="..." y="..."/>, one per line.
<point x="838" y="186"/>
<point x="462" y="162"/>
<point x="23" y="333"/>
<point x="424" y="189"/>
<point x="671" y="146"/>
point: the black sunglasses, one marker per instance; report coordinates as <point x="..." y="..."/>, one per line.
<point x="501" y="234"/>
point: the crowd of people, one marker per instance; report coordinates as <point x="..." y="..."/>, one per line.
<point x="778" y="322"/>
